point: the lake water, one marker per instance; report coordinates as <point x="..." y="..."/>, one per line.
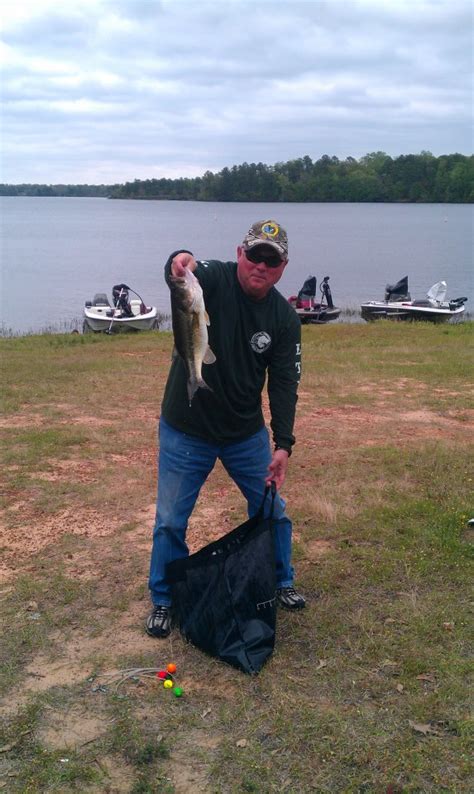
<point x="58" y="252"/>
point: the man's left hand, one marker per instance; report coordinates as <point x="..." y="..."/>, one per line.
<point x="277" y="468"/>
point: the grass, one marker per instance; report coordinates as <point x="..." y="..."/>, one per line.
<point x="368" y="688"/>
<point x="37" y="606"/>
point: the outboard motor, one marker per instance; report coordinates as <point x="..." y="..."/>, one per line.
<point x="307" y="294"/>
<point x="456" y="303"/>
<point x="398" y="291"/>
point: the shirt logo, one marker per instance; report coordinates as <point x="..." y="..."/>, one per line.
<point x="260" y="342"/>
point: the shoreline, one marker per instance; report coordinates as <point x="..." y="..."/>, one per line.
<point x="347" y="317"/>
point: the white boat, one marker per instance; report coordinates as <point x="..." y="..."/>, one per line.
<point x="399" y="306"/>
<point x="124" y="312"/>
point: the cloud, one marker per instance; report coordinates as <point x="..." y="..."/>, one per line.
<point x="126" y="89"/>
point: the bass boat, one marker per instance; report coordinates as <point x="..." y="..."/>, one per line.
<point x="125" y="312"/>
<point x="308" y="309"/>
<point x="398" y="305"/>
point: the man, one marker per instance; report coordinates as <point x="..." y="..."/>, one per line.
<point x="253" y="333"/>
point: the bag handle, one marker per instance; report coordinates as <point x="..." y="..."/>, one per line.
<point x="268" y="488"/>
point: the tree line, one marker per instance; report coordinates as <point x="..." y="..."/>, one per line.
<point x="375" y="177"/>
<point x="97" y="191"/>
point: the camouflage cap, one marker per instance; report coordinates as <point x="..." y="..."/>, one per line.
<point x="267" y="233"/>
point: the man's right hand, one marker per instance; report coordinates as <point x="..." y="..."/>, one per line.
<point x="181" y="262"/>
<point x="277" y="468"/>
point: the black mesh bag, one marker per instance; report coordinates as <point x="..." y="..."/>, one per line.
<point x="223" y="596"/>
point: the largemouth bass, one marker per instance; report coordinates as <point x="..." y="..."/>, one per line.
<point x="190" y="321"/>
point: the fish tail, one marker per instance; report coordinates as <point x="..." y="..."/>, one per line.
<point x="194" y="384"/>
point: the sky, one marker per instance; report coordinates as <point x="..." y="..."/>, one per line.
<point x="108" y="91"/>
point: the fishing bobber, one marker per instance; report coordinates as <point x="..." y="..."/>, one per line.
<point x="168" y="683"/>
<point x="171" y="667"/>
<point x="162" y="674"/>
<point x="177" y="691"/>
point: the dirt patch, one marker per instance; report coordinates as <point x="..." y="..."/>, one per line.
<point x="359" y="427"/>
<point x="67" y="471"/>
<point x="73" y="661"/>
<point x="22" y="420"/>
<point x="120" y="777"/>
<point x="41" y="675"/>
<point x="22" y="543"/>
<point x="139" y="355"/>
<point x="213" y="517"/>
<point x="72" y="729"/>
<point x="315" y="549"/>
<point x="186" y="777"/>
<point x="435" y="419"/>
<point x="88" y="421"/>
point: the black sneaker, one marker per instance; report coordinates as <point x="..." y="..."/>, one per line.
<point x="289" y="598"/>
<point x="158" y="622"/>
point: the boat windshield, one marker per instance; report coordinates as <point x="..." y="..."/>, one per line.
<point x="438" y="291"/>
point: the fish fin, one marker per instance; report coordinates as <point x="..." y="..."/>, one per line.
<point x="209" y="357"/>
<point x="193" y="385"/>
<point x="206" y="317"/>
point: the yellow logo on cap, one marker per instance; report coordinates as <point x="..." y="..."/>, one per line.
<point x="270" y="229"/>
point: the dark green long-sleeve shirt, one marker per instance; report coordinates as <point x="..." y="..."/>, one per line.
<point x="249" y="338"/>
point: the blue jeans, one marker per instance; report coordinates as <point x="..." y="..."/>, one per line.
<point x="183" y="466"/>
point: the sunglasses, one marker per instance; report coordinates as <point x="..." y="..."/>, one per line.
<point x="270" y="260"/>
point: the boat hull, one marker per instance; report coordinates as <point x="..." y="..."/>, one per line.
<point x="318" y="316"/>
<point x="99" y="319"/>
<point x="376" y="310"/>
